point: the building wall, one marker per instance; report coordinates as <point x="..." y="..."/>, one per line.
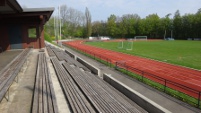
<point x="32" y="42"/>
<point x="39" y="41"/>
<point x="27" y="42"/>
<point x="4" y="39"/>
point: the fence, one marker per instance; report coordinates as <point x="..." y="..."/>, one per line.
<point x="166" y="83"/>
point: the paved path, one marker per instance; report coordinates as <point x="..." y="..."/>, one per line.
<point x="160" y="98"/>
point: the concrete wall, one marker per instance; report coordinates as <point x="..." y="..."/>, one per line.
<point x="70" y="54"/>
<point x="85" y="63"/>
<point x="141" y="100"/>
<point x="93" y="69"/>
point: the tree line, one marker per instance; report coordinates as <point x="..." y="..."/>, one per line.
<point x="78" y="24"/>
<point x="73" y="23"/>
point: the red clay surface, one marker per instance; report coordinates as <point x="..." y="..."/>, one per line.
<point x="179" y="78"/>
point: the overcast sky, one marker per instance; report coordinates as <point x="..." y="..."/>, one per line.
<point x="102" y="9"/>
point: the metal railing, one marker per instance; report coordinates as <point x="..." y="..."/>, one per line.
<point x="165" y="82"/>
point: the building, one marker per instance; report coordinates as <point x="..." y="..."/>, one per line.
<point x="22" y="27"/>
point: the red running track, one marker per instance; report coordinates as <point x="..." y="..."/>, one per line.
<point x="180" y="78"/>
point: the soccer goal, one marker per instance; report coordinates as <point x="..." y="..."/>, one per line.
<point x="129" y="45"/>
<point x="121" y="45"/>
<point x="140" y="38"/>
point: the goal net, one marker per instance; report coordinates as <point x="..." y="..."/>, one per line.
<point x="126" y="45"/>
<point x="121" y="45"/>
<point x="129" y="45"/>
<point x="140" y="38"/>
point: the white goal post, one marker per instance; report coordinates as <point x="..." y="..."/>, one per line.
<point x="140" y="38"/>
<point x="126" y="45"/>
<point x="129" y="45"/>
<point x="121" y="45"/>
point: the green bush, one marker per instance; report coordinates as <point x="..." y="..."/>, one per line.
<point x="47" y="37"/>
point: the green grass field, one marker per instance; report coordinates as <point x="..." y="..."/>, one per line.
<point x="185" y="53"/>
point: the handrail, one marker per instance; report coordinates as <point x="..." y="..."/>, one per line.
<point x="197" y="92"/>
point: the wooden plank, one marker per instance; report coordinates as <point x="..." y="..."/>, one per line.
<point x="88" y="105"/>
<point x="64" y="84"/>
<point x="50" y="52"/>
<point x="99" y="95"/>
<point x="77" y="100"/>
<point x="36" y="90"/>
<point x="43" y="101"/>
<point x="44" y="86"/>
<point x="48" y="92"/>
<point x="53" y="97"/>
<point x="40" y="96"/>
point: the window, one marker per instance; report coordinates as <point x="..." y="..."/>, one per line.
<point x="32" y="32"/>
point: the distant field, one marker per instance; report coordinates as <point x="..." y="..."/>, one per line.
<point x="185" y="53"/>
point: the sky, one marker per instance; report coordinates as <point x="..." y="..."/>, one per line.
<point x="102" y="9"/>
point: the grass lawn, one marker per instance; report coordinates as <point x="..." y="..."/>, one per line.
<point x="185" y="53"/>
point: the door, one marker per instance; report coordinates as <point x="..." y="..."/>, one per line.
<point x="15" y="37"/>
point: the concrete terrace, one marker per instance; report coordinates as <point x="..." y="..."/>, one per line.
<point x="21" y="93"/>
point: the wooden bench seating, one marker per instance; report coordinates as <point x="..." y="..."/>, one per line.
<point x="82" y="89"/>
<point x="76" y="99"/>
<point x="10" y="72"/>
<point x="63" y="56"/>
<point x="87" y="93"/>
<point x="50" y="52"/>
<point x="44" y="100"/>
<point x="105" y="98"/>
<point x="70" y="60"/>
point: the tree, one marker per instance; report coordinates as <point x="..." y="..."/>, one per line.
<point x="49" y="27"/>
<point x="165" y="26"/>
<point x="177" y="23"/>
<point x="142" y="30"/>
<point x="198" y="12"/>
<point x="111" y="25"/>
<point x="96" y="28"/>
<point x="129" y="24"/>
<point x="122" y="27"/>
<point x="152" y="25"/>
<point x="88" y="22"/>
<point x="187" y="25"/>
<point x="64" y="13"/>
<point x="73" y="21"/>
<point x="78" y="24"/>
<point x="197" y="24"/>
<point x="103" y="29"/>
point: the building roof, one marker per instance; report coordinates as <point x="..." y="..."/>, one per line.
<point x="40" y="11"/>
<point x="9" y="6"/>
<point x="12" y="9"/>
